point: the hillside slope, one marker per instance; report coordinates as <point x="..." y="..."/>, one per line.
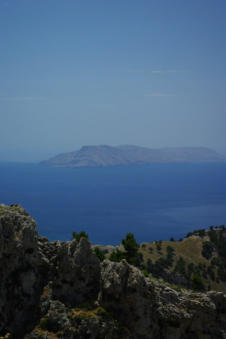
<point x="198" y="261"/>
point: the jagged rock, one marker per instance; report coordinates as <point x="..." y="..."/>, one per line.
<point x="43" y="284"/>
<point x="28" y="263"/>
<point x="125" y="293"/>
<point x="152" y="310"/>
<point x="77" y="273"/>
<point x="20" y="283"/>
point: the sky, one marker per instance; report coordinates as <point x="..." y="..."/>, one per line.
<point x="90" y="72"/>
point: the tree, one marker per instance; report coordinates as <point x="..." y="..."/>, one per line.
<point x="180" y="266"/>
<point x="131" y="248"/>
<point x="80" y="235"/>
<point x="149" y="266"/>
<point x="207" y="249"/>
<point x="159" y="245"/>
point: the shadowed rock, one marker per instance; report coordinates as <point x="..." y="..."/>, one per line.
<point x="61" y="290"/>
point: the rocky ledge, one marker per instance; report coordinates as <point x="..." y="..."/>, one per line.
<point x="61" y="290"/>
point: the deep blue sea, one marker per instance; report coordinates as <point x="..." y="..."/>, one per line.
<point x="152" y="201"/>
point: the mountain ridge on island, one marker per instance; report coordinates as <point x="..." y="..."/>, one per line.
<point x="104" y="155"/>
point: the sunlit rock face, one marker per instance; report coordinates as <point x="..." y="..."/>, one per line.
<point x="61" y="290"/>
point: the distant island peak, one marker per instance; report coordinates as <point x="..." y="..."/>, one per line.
<point x="105" y="155"/>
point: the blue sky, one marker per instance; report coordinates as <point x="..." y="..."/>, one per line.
<point x="147" y="72"/>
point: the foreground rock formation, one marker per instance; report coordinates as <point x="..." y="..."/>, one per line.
<point x="61" y="290"/>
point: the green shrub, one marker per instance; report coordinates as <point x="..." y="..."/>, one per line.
<point x="180" y="266"/>
<point x="80" y="235"/>
<point x="145" y="273"/>
<point x="191" y="267"/>
<point x="211" y="273"/>
<point x="102" y="312"/>
<point x="215" y="261"/>
<point x="149" y="266"/>
<point x="197" y="283"/>
<point x="99" y="253"/>
<point x="207" y="249"/>
<point x="221" y="273"/>
<point x="158" y="245"/>
<point x="170" y="251"/>
<point x="45" y="324"/>
<point x="117" y="255"/>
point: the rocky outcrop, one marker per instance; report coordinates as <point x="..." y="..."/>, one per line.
<point x="149" y="309"/>
<point x="61" y="290"/>
<point x="68" y="264"/>
<point x="21" y="282"/>
<point x="31" y="265"/>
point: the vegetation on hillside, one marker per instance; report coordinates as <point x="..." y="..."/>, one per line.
<point x="196" y="262"/>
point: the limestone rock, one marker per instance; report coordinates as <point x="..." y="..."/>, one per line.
<point x="61" y="290"/>
<point x="20" y="283"/>
<point x="153" y="310"/>
<point x="77" y="273"/>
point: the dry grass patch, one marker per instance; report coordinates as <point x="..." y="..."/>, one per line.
<point x="190" y="249"/>
<point x="84" y="314"/>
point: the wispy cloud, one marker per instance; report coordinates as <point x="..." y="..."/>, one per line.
<point x="135" y="70"/>
<point x="173" y="71"/>
<point x="158" y="95"/>
<point x="156" y="71"/>
<point x="22" y="99"/>
<point x="153" y="71"/>
<point x="161" y="71"/>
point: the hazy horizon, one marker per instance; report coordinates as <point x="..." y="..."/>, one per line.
<point x="45" y="155"/>
<point x="148" y="73"/>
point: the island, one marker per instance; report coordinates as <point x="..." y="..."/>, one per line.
<point x="103" y="155"/>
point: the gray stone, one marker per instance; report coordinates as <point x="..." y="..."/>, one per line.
<point x="43" y="285"/>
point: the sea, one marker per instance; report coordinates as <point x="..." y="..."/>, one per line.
<point x="154" y="202"/>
